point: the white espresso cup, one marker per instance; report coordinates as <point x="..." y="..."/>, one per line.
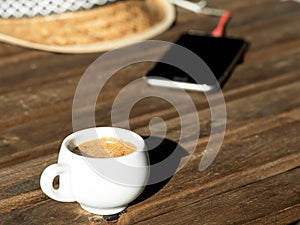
<point x="103" y="186"/>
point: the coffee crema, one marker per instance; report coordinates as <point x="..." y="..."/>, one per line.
<point x="107" y="147"/>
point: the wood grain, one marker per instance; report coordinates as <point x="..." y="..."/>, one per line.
<point x="253" y="180"/>
<point x="265" y="197"/>
<point x="188" y="185"/>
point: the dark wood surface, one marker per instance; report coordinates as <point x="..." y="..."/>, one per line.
<point x="255" y="178"/>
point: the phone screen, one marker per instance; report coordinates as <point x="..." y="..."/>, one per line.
<point x="221" y="54"/>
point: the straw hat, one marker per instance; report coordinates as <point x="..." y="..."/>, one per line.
<point x="92" y="30"/>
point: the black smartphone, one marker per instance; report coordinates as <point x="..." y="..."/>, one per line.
<point x="221" y="54"/>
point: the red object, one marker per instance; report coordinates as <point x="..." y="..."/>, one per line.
<point x="219" y="31"/>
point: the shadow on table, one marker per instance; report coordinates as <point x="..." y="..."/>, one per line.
<point x="168" y="152"/>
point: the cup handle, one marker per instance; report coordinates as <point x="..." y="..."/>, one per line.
<point x="64" y="192"/>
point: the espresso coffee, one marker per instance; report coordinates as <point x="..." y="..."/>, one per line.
<point x="107" y="147"/>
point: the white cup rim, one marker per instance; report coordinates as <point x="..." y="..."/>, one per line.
<point x="71" y="136"/>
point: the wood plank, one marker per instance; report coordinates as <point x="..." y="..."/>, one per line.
<point x="281" y="217"/>
<point x="28" y="178"/>
<point x="64" y="59"/>
<point x="254" y="15"/>
<point x="36" y="101"/>
<point x="190" y="188"/>
<point x="249" y="181"/>
<point x="261" y="70"/>
<point x="240" y="162"/>
<point x="275" y="194"/>
<point x="32" y="103"/>
<point x="8" y="50"/>
<point x="33" y="68"/>
<point x="247" y="16"/>
<point x="17" y="142"/>
<point x="257" y="73"/>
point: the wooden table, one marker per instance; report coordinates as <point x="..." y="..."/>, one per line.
<point x="253" y="180"/>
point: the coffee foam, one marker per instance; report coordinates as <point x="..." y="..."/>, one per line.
<point x="107" y="147"/>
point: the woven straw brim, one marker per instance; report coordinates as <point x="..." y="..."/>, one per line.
<point x="99" y="29"/>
